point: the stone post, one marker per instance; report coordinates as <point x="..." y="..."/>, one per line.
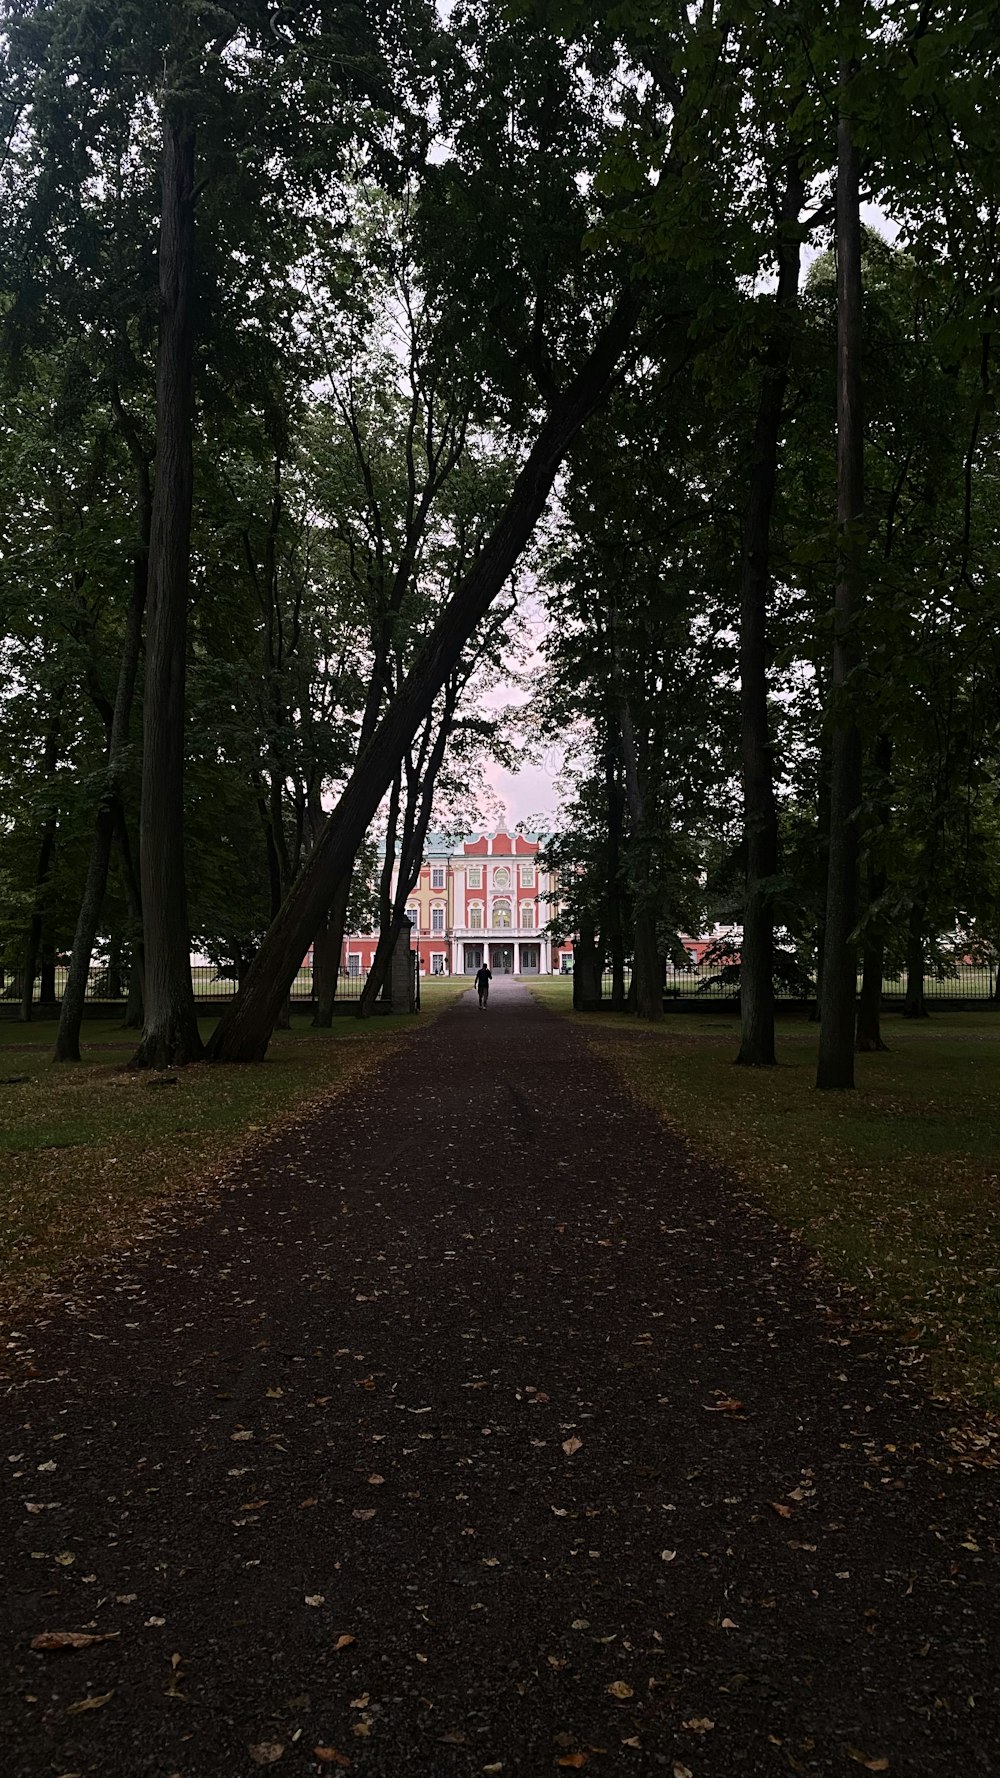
<point x="399" y="988"/>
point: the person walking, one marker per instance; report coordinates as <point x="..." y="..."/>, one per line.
<point x="483" y="980"/>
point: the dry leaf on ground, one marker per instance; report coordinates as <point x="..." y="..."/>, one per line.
<point x="264" y="1753"/>
<point x="619" y="1689"/>
<point x="572" y="1444"/>
<point x="89" y="1703"/>
<point x="576" y="1760"/>
<point x="330" y="1756"/>
<point x="50" y="1639"/>
<point x="862" y="1759"/>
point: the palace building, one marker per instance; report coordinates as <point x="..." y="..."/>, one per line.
<point x="477" y="900"/>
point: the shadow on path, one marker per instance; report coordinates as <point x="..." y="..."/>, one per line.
<point x="482" y="1371"/>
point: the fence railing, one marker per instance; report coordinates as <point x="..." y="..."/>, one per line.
<point x="208" y="983"/>
<point x="970" y="981"/>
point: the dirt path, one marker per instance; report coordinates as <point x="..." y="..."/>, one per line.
<point x="484" y="1373"/>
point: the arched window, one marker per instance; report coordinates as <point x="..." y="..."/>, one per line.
<point x="501" y="914"/>
<point x="475" y="916"/>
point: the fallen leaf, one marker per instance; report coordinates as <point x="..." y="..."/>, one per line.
<point x="273" y="1394"/>
<point x="619" y="1689"/>
<point x="252" y="1506"/>
<point x="576" y="1760"/>
<point x="236" y="1437"/>
<point x="497" y="1766"/>
<point x="557" y="1662"/>
<point x="315" y="1598"/>
<point x="682" y="1771"/>
<point x="264" y="1753"/>
<point x="362" y="1702"/>
<point x="312" y="1501"/>
<point x="361" y="1728"/>
<point x="343" y="1642"/>
<point x="727" y="1624"/>
<point x="89" y="1703"/>
<point x="667" y="1555"/>
<point x="363" y="1512"/>
<point x="580" y="1623"/>
<point x="65" y="1558"/>
<point x="783" y="1512"/>
<point x="454" y="1738"/>
<point x="698" y="1725"/>
<point x="375" y="1481"/>
<point x="569" y="1446"/>
<point x="727" y="1404"/>
<point x="862" y="1759"/>
<point x="49" y="1639"/>
<point x="330" y="1756"/>
<point x="632" y="1741"/>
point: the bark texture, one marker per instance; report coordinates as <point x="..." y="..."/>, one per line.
<point x="170" y="1036"/>
<point x="760" y="813"/>
<point x="839" y="981"/>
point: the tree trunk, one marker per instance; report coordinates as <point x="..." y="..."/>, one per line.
<point x="868" y="1033"/>
<point x="613" y="891"/>
<point x="646" y="970"/>
<point x="245" y="1028"/>
<point x="328" y="950"/>
<point x="71" y="1013"/>
<point x="43" y="868"/>
<point x="586" y="968"/>
<point x="839" y="986"/>
<point x="171" y="1035"/>
<point x="388" y="926"/>
<point x="868" y="1036"/>
<point x="760" y="811"/>
<point x="914" y="1004"/>
<point x="135" y="1008"/>
<point x="47" y="982"/>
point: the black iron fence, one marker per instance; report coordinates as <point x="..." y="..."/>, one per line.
<point x="208" y="982"/>
<point x="968" y="981"/>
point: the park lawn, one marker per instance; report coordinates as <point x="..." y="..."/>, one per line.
<point x="87" y="1150"/>
<point x="896" y="1186"/>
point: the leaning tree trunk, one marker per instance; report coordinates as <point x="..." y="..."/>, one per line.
<point x="328" y="950"/>
<point x="760" y="811"/>
<point x="840" y="964"/>
<point x="171" y="1035"/>
<point x="244" y="1030"/>
<point x="74" y="998"/>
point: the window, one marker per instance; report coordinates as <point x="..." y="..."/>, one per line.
<point x="527" y="913"/>
<point x="413" y="915"/>
<point x="437" y="876"/>
<point x="501" y="914"/>
<point x="354" y="963"/>
<point x="475" y="876"/>
<point x="437" y="919"/>
<point x="437" y="963"/>
<point x="526" y="875"/>
<point x="476" y="916"/>
<point x="501" y="877"/>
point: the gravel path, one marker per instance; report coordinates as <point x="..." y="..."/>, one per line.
<point x="482" y="1429"/>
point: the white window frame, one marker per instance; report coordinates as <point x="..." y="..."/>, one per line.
<point x="495" y="926"/>
<point x="413" y="915"/>
<point x="437" y="876"/>
<point x="502" y="870"/>
<point x="527" y="912"/>
<point x="526" y="876"/>
<point x="438" y="961"/>
<point x="475" y="907"/>
<point x="354" y="963"/>
<point x="475" y="876"/>
<point x="438" y="917"/>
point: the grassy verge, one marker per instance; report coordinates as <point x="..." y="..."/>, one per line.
<point x="86" y="1150"/>
<point x="894" y="1185"/>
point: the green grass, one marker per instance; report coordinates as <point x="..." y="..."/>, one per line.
<point x="87" y="1150"/>
<point x="895" y="1185"/>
